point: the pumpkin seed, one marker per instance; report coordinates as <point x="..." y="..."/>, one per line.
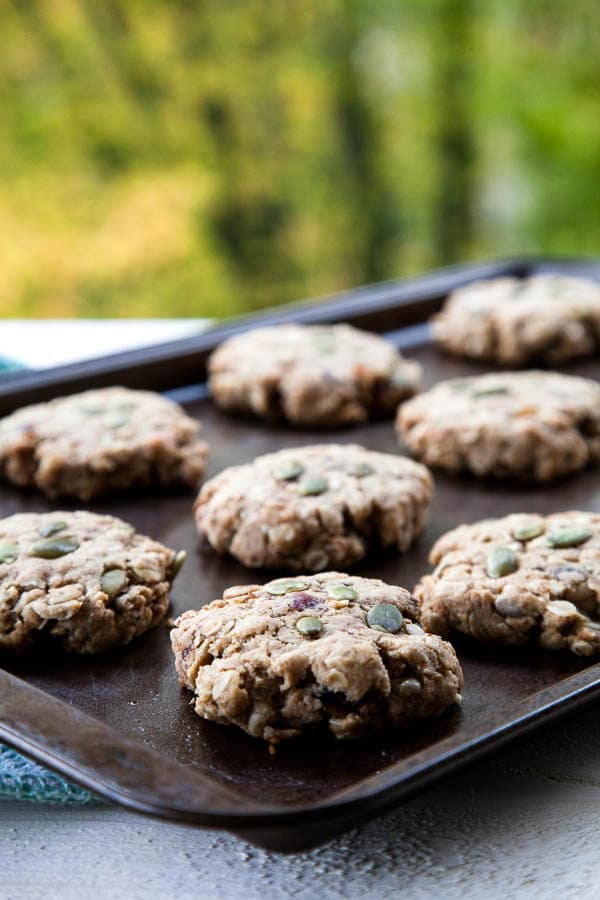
<point x="410" y="686"/>
<point x="568" y="537"/>
<point x="385" y="617"/>
<point x="511" y="606"/>
<point x="113" y="581"/>
<point x="360" y="470"/>
<point x="289" y="470"/>
<point x="176" y="564"/>
<point x="501" y="561"/>
<point x="491" y="391"/>
<point x="117" y="420"/>
<point x="528" y="531"/>
<point x="323" y="341"/>
<point x="313" y="485"/>
<point x="8" y="553"/>
<point x="285" y="586"/>
<point x="400" y="379"/>
<point x="342" y="592"/>
<point x="53" y="549"/>
<point x="52" y="528"/>
<point x="324" y="347"/>
<point x="309" y="626"/>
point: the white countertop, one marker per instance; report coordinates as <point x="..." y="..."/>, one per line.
<point x="523" y="823"/>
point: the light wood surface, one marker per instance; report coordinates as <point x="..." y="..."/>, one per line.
<point x="523" y="823"/>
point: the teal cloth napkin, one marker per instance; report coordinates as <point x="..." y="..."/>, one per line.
<point x="20" y="778"/>
<point x="9" y="365"/>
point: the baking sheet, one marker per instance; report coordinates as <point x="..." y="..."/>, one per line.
<point x="135" y="691"/>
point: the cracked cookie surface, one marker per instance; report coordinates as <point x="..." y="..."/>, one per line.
<point x="521" y="579"/>
<point x="100" y="441"/>
<point x="360" y="662"/>
<point x="311" y="508"/>
<point x="532" y="425"/>
<point x="86" y="581"/>
<point x="512" y="321"/>
<point x="311" y="375"/>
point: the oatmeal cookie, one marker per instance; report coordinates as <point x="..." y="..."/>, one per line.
<point x="110" y="439"/>
<point x="531" y="425"/>
<point x="329" y="649"/>
<point x="86" y="581"/>
<point x="311" y="375"/>
<point x="311" y="508"/>
<point x="522" y="579"/>
<point x="513" y="321"/>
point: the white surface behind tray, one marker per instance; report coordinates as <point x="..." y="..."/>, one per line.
<point x="39" y="343"/>
<point x="522" y="824"/>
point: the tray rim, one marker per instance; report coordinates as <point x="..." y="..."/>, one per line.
<point x="575" y="690"/>
<point x="413" y="299"/>
<point x="368" y="306"/>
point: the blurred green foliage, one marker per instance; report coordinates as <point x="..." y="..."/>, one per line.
<point x="171" y="157"/>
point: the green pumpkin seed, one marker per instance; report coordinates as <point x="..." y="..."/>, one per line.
<point x="324" y="347"/>
<point x="490" y="391"/>
<point x="309" y="626"/>
<point x="177" y="564"/>
<point x="117" y="421"/>
<point x="52" y="528"/>
<point x="410" y="686"/>
<point x="113" y="581"/>
<point x="53" y="549"/>
<point x="324" y="341"/>
<point x="8" y="553"/>
<point x="459" y="385"/>
<point x="528" y="531"/>
<point x="361" y="470"/>
<point x="568" y="537"/>
<point x="342" y="592"/>
<point x="285" y="586"/>
<point x="289" y="470"/>
<point x="313" y="485"/>
<point x="501" y="561"/>
<point x="400" y="379"/>
<point x="90" y="410"/>
<point x="385" y="617"/>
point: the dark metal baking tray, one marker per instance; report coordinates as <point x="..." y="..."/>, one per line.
<point x="120" y="725"/>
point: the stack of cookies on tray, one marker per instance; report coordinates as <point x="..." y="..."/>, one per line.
<point x="315" y="645"/>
